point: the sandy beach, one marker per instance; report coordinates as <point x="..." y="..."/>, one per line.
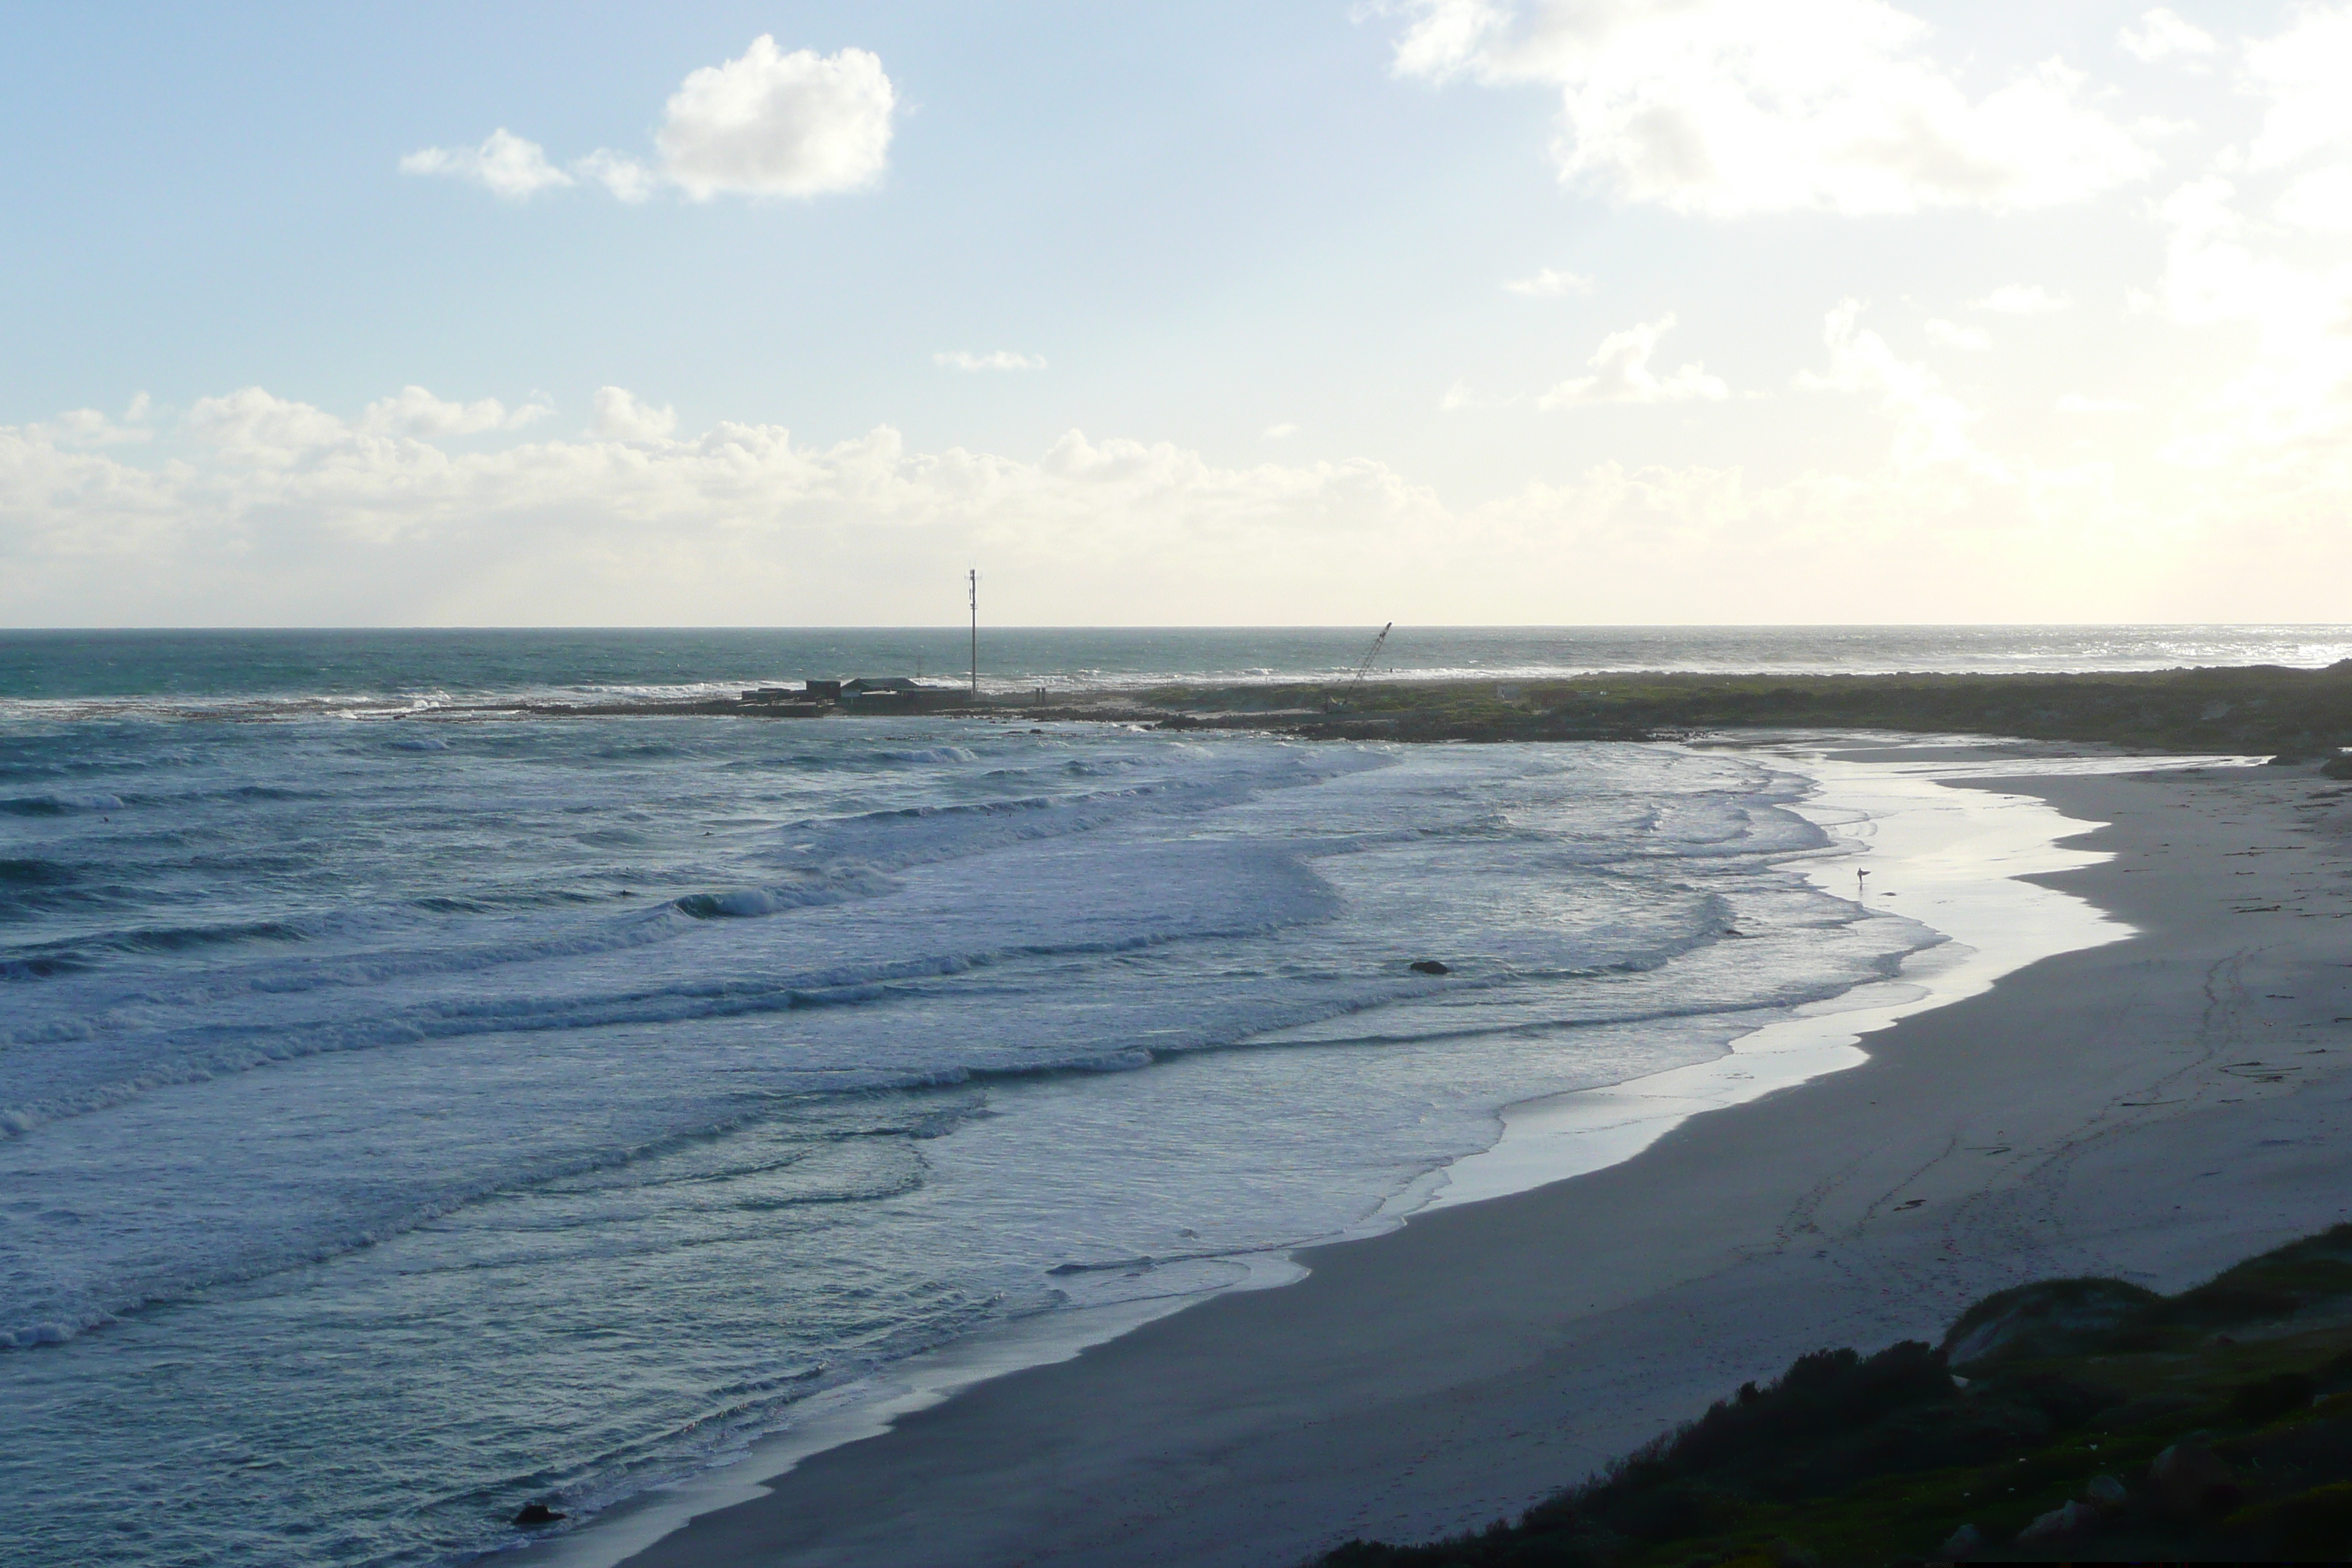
<point x="2153" y="1107"/>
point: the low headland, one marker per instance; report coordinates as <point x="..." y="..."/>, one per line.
<point x="2264" y="709"/>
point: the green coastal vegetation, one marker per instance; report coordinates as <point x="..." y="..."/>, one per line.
<point x="2260" y="708"/>
<point x="2084" y="1419"/>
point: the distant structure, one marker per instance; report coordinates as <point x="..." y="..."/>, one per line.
<point x="896" y="694"/>
<point x="1334" y="703"/>
<point x="1365" y="668"/>
<point x="867" y="694"/>
<point x="874" y="694"/>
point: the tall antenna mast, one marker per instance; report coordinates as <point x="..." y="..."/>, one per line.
<point x="972" y="586"/>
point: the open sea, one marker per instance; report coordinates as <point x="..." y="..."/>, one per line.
<point x="405" y="1117"/>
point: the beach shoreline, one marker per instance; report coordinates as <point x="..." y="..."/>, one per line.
<point x="722" y="1500"/>
<point x="2103" y="1111"/>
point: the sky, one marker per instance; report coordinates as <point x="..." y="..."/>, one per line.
<point x="1439" y="311"/>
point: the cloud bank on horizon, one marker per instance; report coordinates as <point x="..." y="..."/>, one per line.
<point x="1812" y="311"/>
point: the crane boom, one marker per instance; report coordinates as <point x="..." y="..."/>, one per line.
<point x="1365" y="668"/>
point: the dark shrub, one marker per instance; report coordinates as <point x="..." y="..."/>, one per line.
<point x="2267" y="1399"/>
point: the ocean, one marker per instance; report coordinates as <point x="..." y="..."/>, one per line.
<point x="405" y="1119"/>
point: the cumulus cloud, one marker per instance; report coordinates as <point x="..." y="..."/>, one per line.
<point x="1952" y="335"/>
<point x="413" y="411"/>
<point x="252" y="425"/>
<point x="620" y="415"/>
<point x="2023" y="300"/>
<point x="2302" y="71"/>
<point x="504" y="164"/>
<point x="1931" y="425"/>
<point x="624" y="176"/>
<point x="255" y="427"/>
<point x="2161" y="36"/>
<point x="2319" y="200"/>
<point x="1622" y="374"/>
<point x="2306" y="128"/>
<point x="1280" y="432"/>
<point x="2076" y="403"/>
<point x="772" y="123"/>
<point x="1551" y="284"/>
<point x="2289" y="408"/>
<point x="1003" y="359"/>
<point x="93" y="428"/>
<point x="1734" y="107"/>
<point x="767" y="123"/>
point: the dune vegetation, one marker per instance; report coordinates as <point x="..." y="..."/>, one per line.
<point x="2087" y="1419"/>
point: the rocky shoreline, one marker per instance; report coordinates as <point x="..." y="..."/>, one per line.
<point x="2263" y="710"/>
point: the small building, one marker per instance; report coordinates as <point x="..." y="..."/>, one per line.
<point x="896" y="694"/>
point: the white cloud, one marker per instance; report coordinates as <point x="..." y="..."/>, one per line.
<point x="2320" y="200"/>
<point x="417" y="412"/>
<point x="2075" y="403"/>
<point x="92" y="427"/>
<point x="1280" y="432"/>
<point x="767" y="123"/>
<point x="776" y="124"/>
<point x="2302" y="71"/>
<point x="2281" y="298"/>
<point x="504" y="164"/>
<point x="1931" y="425"/>
<point x="2289" y="407"/>
<point x="1732" y="107"/>
<point x="1003" y="359"/>
<point x="1952" y="335"/>
<point x="2023" y="300"/>
<point x="251" y="425"/>
<point x="741" y="525"/>
<point x="620" y="417"/>
<point x="1622" y="374"/>
<point x="625" y="177"/>
<point x="1551" y="284"/>
<point x="2161" y="36"/>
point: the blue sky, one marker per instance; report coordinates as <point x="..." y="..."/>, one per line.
<point x="1442" y="310"/>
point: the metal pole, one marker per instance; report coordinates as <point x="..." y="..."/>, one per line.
<point x="975" y="587"/>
